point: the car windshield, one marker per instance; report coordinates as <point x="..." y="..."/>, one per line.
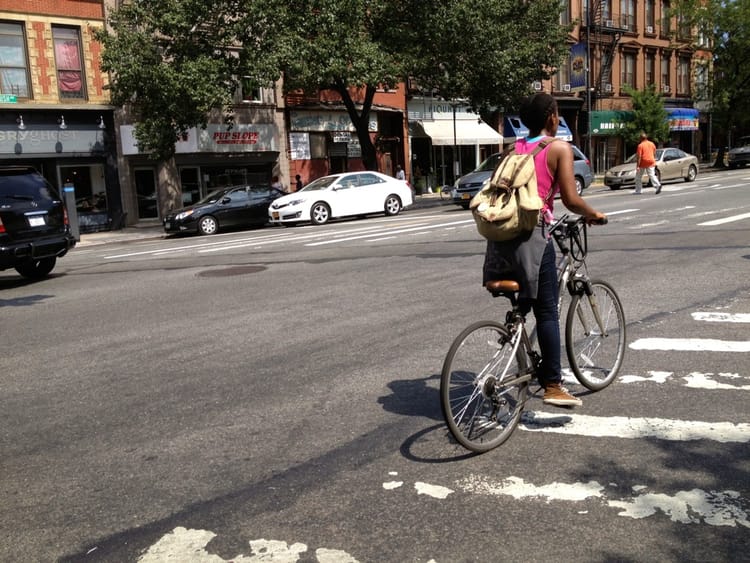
<point x="213" y="197"/>
<point x="743" y="142"/>
<point x="319" y="184"/>
<point x="489" y="164"/>
<point x="633" y="157"/>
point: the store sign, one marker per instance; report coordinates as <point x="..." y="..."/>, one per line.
<point x="326" y="121"/>
<point x="51" y="141"/>
<point x="244" y="137"/>
<point x="8" y="99"/>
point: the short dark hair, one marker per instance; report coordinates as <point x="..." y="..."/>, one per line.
<point x="536" y="109"/>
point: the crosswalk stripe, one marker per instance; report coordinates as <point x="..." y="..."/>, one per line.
<point x="690" y="345"/>
<point x="724" y="220"/>
<point x="626" y="427"/>
<point x="722" y="317"/>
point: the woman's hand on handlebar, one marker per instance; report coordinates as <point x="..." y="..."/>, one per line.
<point x="596" y="218"/>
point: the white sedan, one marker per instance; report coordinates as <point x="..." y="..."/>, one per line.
<point x="342" y="195"/>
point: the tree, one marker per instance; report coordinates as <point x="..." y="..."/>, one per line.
<point x="649" y="115"/>
<point x="726" y="25"/>
<point x="174" y="61"/>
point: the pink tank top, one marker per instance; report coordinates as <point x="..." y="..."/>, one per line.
<point x="544" y="180"/>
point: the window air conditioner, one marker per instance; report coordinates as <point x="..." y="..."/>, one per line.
<point x="537" y="85"/>
<point x="609" y="23"/>
<point x="608" y="87"/>
<point x="665" y="88"/>
<point x="649" y="29"/>
<point x="566" y="87"/>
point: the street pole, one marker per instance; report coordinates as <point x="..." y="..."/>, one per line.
<point x="455" y="150"/>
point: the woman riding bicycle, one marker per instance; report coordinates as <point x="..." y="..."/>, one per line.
<point x="531" y="259"/>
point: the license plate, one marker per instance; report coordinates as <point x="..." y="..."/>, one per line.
<point x="167" y="225"/>
<point x="465" y="196"/>
<point x="37" y="221"/>
<point x="275" y="215"/>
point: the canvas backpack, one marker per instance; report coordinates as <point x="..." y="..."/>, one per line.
<point x="508" y="205"/>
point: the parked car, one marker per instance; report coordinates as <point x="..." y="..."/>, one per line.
<point x="739" y="155"/>
<point x="468" y="185"/>
<point x="671" y="164"/>
<point x="342" y="195"/>
<point x="34" y="228"/>
<point x="231" y="207"/>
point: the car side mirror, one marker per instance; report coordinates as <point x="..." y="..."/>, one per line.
<point x="226" y="199"/>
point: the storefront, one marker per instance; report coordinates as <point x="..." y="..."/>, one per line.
<point x="205" y="159"/>
<point x="71" y="149"/>
<point x="447" y="140"/>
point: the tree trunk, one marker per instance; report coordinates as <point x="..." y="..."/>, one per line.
<point x="361" y="123"/>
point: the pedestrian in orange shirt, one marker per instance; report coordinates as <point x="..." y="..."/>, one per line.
<point x="646" y="159"/>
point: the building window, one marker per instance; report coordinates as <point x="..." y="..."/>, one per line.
<point x="70" y="81"/>
<point x="627" y="69"/>
<point x="606" y="6"/>
<point x="561" y="79"/>
<point x="650" y="69"/>
<point x="627" y="14"/>
<point x="665" y="83"/>
<point x="250" y="90"/>
<point x="650" y="16"/>
<point x="701" y="80"/>
<point x="14" y="75"/>
<point x="565" y="13"/>
<point x="666" y="25"/>
<point x="683" y="76"/>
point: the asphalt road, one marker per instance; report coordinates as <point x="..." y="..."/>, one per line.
<point x="272" y="395"/>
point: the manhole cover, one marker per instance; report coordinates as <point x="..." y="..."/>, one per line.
<point x="233" y="271"/>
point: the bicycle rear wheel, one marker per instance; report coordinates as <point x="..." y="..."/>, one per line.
<point x="483" y="387"/>
<point x="595" y="352"/>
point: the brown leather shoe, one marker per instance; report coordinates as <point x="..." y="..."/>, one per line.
<point x="556" y="395"/>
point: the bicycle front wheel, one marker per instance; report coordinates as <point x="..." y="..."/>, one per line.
<point x="595" y="345"/>
<point x="483" y="387"/>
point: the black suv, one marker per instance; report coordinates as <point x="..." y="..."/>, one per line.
<point x="34" y="228"/>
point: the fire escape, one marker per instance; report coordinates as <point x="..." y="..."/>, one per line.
<point x="603" y="34"/>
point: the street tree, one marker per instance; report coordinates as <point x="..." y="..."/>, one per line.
<point x="648" y="116"/>
<point x="725" y="26"/>
<point x="173" y="62"/>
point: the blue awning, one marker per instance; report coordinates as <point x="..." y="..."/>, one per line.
<point x="683" y="119"/>
<point x="514" y="127"/>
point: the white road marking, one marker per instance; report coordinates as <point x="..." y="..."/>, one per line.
<point x="694" y="380"/>
<point x="435" y="491"/>
<point x="725" y="220"/>
<point x="691" y="345"/>
<point x="634" y="428"/>
<point x="716" y="508"/>
<point x="655" y="376"/>
<point x="722" y="317"/>
<point x="395" y="232"/>
<point x="189" y="546"/>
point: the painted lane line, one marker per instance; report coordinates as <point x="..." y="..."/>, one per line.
<point x="634" y="428"/>
<point x="694" y="380"/>
<point x="690" y="345"/>
<point x="715" y="508"/>
<point x="722" y="317"/>
<point x="621" y="211"/>
<point x="732" y="219"/>
<point x="396" y="232"/>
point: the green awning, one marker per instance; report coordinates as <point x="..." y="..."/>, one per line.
<point x="607" y="122"/>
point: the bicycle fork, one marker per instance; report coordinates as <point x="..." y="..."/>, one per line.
<point x="586" y="290"/>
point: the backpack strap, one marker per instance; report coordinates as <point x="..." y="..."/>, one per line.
<point x="539" y="148"/>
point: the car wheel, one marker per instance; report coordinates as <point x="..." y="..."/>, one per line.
<point x="732" y="166"/>
<point x="36" y="269"/>
<point x="465" y="205"/>
<point x="392" y="205"/>
<point x="692" y="174"/>
<point x="614" y="187"/>
<point x="579" y="185"/>
<point x="208" y="225"/>
<point x="320" y="213"/>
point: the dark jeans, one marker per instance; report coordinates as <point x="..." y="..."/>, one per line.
<point x="547" y="318"/>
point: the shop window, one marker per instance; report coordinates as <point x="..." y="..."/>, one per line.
<point x="14" y="69"/>
<point x="70" y="79"/>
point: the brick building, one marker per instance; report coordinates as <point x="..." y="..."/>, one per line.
<point x="633" y="42"/>
<point x="54" y="108"/>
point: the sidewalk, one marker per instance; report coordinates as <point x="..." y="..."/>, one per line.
<point x="152" y="228"/>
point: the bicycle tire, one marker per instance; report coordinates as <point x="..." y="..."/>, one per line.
<point x="595" y="358"/>
<point x="481" y="412"/>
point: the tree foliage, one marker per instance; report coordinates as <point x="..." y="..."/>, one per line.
<point x="649" y="116"/>
<point x="727" y="24"/>
<point x="174" y="61"/>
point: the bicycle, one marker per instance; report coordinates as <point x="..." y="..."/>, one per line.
<point x="445" y="192"/>
<point x="490" y="365"/>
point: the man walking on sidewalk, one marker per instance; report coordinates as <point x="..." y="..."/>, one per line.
<point x="646" y="159"/>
